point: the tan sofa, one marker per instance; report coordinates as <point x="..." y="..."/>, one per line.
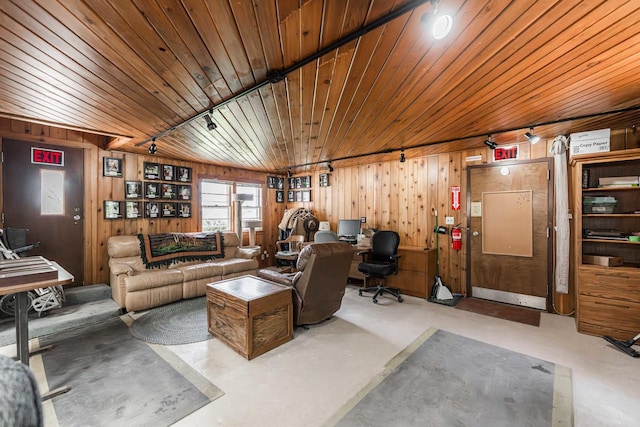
<point x="134" y="287"/>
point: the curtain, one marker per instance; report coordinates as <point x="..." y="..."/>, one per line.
<point x="559" y="148"/>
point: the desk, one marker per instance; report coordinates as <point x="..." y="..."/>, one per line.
<point x="23" y="304"/>
<point x="416" y="270"/>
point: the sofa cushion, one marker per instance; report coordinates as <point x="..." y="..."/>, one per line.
<point x="152" y="279"/>
<point x="123" y="246"/>
<point x="237" y="265"/>
<point x="199" y="271"/>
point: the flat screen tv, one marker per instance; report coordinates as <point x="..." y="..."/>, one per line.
<point x="348" y="229"/>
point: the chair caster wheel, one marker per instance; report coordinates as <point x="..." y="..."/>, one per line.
<point x="360" y="293"/>
<point x="400" y="299"/>
<point x="375" y="300"/>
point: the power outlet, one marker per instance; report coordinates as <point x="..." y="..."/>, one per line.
<point x="363" y="219"/>
<point x="449" y="220"/>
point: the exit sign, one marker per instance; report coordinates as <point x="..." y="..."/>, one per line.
<point x="45" y="156"/>
<point x="505" y="153"/>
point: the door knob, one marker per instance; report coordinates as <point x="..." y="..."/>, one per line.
<point x="76" y="217"/>
<point x="475" y="234"/>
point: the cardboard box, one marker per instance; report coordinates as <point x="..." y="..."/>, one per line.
<point x="605" y="261"/>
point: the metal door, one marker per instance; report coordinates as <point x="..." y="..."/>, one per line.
<point x="43" y="192"/>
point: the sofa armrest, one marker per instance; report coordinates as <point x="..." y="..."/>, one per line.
<point x="248" y="253"/>
<point x="118" y="268"/>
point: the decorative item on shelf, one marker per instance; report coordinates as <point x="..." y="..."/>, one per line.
<point x="112" y="209"/>
<point x="112" y="167"/>
<point x="168" y="172"/>
<point x="151" y="170"/>
<point x="133" y="189"/>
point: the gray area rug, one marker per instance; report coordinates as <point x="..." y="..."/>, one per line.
<point x="445" y="379"/>
<point x="117" y="380"/>
<point x="181" y="322"/>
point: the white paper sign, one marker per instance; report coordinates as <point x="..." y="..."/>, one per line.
<point x="595" y="141"/>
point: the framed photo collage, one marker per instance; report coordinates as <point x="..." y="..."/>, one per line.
<point x="298" y="188"/>
<point x="165" y="192"/>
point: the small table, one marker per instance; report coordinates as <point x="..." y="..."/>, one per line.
<point x="22" y="315"/>
<point x="249" y="314"/>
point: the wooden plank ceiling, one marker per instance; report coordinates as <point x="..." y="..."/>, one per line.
<point x="138" y="69"/>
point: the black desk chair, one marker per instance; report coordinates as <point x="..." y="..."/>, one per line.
<point x="380" y="262"/>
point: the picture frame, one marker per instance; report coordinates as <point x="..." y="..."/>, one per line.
<point x="291" y="182"/>
<point x="152" y="210"/>
<point x="168" y="210"/>
<point x="168" y="173"/>
<point x="151" y="190"/>
<point x="133" y="189"/>
<point x="306" y="181"/>
<point x="306" y="195"/>
<point x="112" y="209"/>
<point x="271" y="182"/>
<point x="184" y="192"/>
<point x="133" y="210"/>
<point x="323" y="180"/>
<point x="291" y="197"/>
<point x="280" y="183"/>
<point x="279" y="196"/>
<point x="184" y="174"/>
<point x="298" y="196"/>
<point x="168" y="191"/>
<point x="298" y="182"/>
<point x="112" y="167"/>
<point x="151" y="170"/>
<point x="184" y="210"/>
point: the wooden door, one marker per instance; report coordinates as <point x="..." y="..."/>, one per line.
<point x="509" y="221"/>
<point x="43" y="192"/>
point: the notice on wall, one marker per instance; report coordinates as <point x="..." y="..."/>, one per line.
<point x="476" y="209"/>
<point x="595" y="141"/>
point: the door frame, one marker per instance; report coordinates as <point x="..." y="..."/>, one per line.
<point x="550" y="222"/>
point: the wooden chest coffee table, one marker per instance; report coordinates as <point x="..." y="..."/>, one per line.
<point x="249" y="314"/>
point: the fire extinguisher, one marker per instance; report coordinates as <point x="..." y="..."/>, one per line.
<point x="456" y="238"/>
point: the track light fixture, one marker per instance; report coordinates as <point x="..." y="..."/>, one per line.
<point x="489" y="143"/>
<point x="441" y="24"/>
<point x="153" y="148"/>
<point x="533" y="138"/>
<point x="210" y="124"/>
<point x="330" y="167"/>
<point x="402" y="158"/>
<point x="288" y="173"/>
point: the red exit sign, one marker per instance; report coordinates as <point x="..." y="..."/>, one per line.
<point x="505" y="153"/>
<point x="45" y="156"/>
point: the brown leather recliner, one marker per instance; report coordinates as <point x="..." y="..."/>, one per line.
<point x="319" y="284"/>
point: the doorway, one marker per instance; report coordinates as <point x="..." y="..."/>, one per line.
<point x="43" y="192"/>
<point x="509" y="218"/>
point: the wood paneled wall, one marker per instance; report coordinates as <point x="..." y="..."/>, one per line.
<point x="390" y="194"/>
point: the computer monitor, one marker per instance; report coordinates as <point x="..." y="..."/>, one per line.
<point x="348" y="229"/>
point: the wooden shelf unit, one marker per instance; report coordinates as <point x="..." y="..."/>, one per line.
<point x="607" y="298"/>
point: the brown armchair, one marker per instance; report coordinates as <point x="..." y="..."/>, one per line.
<point x="319" y="282"/>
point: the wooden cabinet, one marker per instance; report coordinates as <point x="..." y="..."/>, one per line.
<point x="416" y="271"/>
<point x="608" y="298"/>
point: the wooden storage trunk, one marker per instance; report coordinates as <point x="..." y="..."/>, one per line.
<point x="249" y="314"/>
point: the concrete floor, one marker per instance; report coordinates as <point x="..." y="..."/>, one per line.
<point x="305" y="381"/>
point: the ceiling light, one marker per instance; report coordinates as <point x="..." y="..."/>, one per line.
<point x="153" y="148"/>
<point x="489" y="143"/>
<point x="330" y="167"/>
<point x="402" y="158"/>
<point x="533" y="138"/>
<point x="441" y="26"/>
<point x="210" y="124"/>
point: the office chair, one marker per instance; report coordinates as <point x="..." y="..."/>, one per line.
<point x="324" y="236"/>
<point x="380" y="262"/>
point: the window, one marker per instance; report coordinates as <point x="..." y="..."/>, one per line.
<point x="215" y="199"/>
